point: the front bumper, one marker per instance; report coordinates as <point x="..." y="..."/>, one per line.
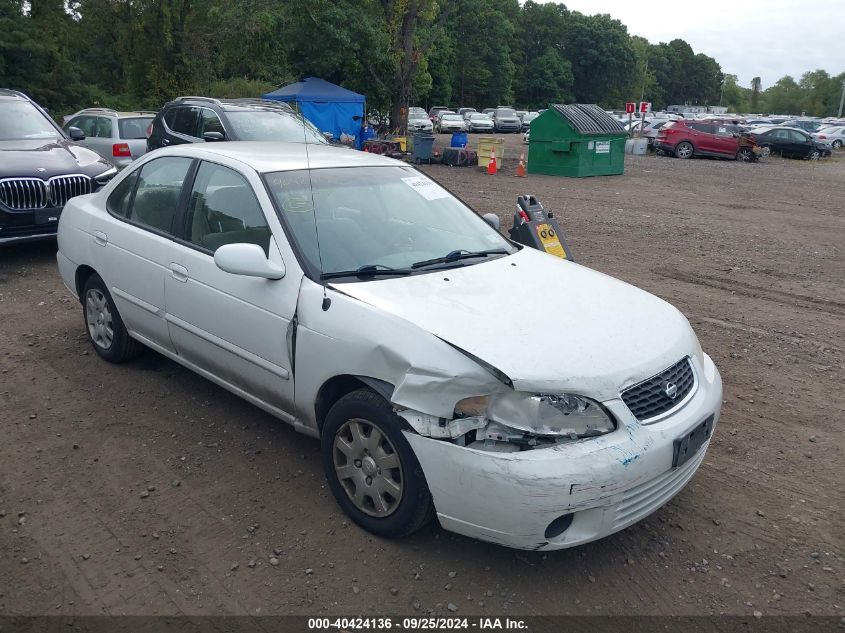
<point x="605" y="483"/>
<point x="28" y="226"/>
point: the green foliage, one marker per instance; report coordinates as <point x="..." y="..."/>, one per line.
<point x="129" y="54"/>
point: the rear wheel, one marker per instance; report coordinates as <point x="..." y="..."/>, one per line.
<point x="106" y="331"/>
<point x="837" y="144"/>
<point x="371" y="469"/>
<point x="684" y="149"/>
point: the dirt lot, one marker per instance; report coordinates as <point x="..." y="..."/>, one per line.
<point x="145" y="489"/>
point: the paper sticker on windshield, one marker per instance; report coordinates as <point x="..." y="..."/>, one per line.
<point x="428" y="189"/>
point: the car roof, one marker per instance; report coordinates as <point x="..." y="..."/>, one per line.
<point x="265" y="157"/>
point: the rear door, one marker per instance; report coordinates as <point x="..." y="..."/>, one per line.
<point x="725" y="142"/>
<point x="101" y="139"/>
<point x="703" y="138"/>
<point x="181" y="125"/>
<point x="233" y="326"/>
<point x="132" y="244"/>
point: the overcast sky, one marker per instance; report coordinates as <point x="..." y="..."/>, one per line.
<point x="749" y="38"/>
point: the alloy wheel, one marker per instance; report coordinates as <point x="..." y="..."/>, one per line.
<point x="368" y="467"/>
<point x="99" y="318"/>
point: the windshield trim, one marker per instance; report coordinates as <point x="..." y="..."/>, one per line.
<point x="314" y="273"/>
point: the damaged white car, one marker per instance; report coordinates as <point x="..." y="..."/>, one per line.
<point x="523" y="399"/>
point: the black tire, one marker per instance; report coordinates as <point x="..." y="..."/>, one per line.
<point x="684" y="150"/>
<point x="837" y="144"/>
<point x="415" y="507"/>
<point x="121" y="347"/>
<point x="765" y="151"/>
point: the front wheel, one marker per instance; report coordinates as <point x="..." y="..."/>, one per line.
<point x="765" y="151"/>
<point x="814" y="155"/>
<point x="745" y="154"/>
<point x="684" y="149"/>
<point x="370" y="467"/>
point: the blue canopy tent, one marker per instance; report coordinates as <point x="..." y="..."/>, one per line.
<point x="329" y="107"/>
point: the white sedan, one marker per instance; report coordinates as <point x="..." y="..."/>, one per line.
<point x="523" y="399"/>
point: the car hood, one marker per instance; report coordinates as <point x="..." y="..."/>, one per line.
<point x="45" y="158"/>
<point x="546" y="323"/>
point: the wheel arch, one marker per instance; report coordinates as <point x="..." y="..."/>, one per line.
<point x="338" y="386"/>
<point x="83" y="273"/>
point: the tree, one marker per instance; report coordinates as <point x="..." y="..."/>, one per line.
<point x="756" y="86"/>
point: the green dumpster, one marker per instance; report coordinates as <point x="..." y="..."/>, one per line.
<point x="576" y="140"/>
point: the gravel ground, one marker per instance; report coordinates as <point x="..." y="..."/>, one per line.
<point x="145" y="489"/>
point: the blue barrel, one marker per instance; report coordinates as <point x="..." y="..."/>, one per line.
<point x="367" y="133"/>
<point x="459" y="139"/>
<point x="423" y="144"/>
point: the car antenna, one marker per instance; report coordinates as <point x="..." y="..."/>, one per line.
<point x="327" y="302"/>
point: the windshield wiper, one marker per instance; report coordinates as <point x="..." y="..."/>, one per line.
<point x="368" y="270"/>
<point x="455" y="256"/>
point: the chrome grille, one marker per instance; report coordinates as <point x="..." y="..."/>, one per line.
<point x="23" y="193"/>
<point x="654" y="396"/>
<point x="63" y="188"/>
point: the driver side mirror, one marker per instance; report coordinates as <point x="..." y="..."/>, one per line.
<point x="76" y="134"/>
<point x="492" y="219"/>
<point x="213" y="137"/>
<point x="248" y="260"/>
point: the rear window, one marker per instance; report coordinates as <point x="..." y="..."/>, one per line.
<point x="134" y="127"/>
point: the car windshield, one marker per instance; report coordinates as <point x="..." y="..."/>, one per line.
<point x="418" y="116"/>
<point x="134" y="127"/>
<point x="377" y="217"/>
<point x="452" y="117"/>
<point x="271" y="125"/>
<point x="480" y="117"/>
<point x="530" y="116"/>
<point x="22" y="120"/>
<point x="505" y="112"/>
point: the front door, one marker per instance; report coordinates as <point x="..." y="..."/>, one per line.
<point x="233" y="326"/>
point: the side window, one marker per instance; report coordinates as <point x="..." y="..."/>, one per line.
<point x="120" y="200"/>
<point x="782" y="135"/>
<point x="224" y="210"/>
<point x="797" y="137"/>
<point x="185" y="120"/>
<point x="157" y="196"/>
<point x="209" y="122"/>
<point x="87" y="124"/>
<point x="104" y="126"/>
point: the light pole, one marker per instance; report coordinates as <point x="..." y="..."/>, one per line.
<point x="841" y="99"/>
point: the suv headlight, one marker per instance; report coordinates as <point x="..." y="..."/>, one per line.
<point x="550" y="415"/>
<point x="102" y="179"/>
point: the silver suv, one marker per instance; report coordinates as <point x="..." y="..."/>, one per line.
<point x="119" y="137"/>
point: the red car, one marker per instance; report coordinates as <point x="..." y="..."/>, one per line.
<point x="686" y="139"/>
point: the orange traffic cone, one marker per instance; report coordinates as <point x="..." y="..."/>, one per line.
<point x="520" y="168"/>
<point x="491" y="166"/>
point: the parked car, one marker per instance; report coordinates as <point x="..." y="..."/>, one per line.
<point x="478" y="122"/>
<point x="648" y="129"/>
<point x="42" y="167"/>
<point x="203" y="119"/>
<point x="466" y="112"/>
<point x="521" y="113"/>
<point x="419" y="122"/>
<point x="835" y="135"/>
<point x="432" y="114"/>
<point x="489" y="111"/>
<point x="526" y="120"/>
<point x="505" y="120"/>
<point x="686" y="138"/>
<point x="450" y="123"/>
<point x="790" y="143"/>
<point x="359" y="324"/>
<point x="119" y="137"/>
<point x="808" y="125"/>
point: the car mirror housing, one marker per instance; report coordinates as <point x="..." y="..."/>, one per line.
<point x="248" y="260"/>
<point x="492" y="219"/>
<point x="212" y="137"/>
<point x="76" y="134"/>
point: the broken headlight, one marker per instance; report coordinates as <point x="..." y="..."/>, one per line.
<point x="548" y="415"/>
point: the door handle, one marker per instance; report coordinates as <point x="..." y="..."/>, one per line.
<point x="165" y="141"/>
<point x="100" y="238"/>
<point x="179" y="273"/>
